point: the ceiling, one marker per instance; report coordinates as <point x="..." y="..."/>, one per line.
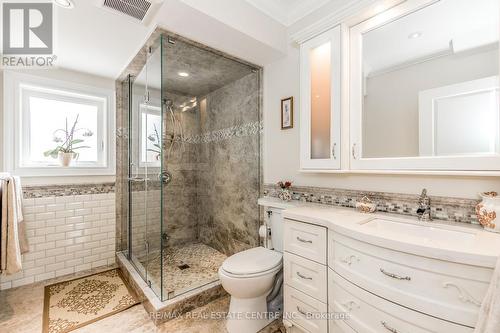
<point x="287" y="12"/>
<point x="207" y="71"/>
<point x="91" y="39"/>
<point x="446" y="26"/>
<point x="98" y="41"/>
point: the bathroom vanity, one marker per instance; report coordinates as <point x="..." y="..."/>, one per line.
<point x="346" y="271"/>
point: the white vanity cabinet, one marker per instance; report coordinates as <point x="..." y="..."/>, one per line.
<point x="320" y="78"/>
<point x="438" y="288"/>
<point x="305" y="276"/>
<point x="377" y="289"/>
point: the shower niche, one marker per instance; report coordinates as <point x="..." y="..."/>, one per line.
<point x="193" y="149"/>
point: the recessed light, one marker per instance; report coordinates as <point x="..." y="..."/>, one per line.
<point x="414" y="35"/>
<point x="64" y="3"/>
<point x="183" y="74"/>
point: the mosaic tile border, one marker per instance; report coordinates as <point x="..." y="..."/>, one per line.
<point x="243" y="130"/>
<point x="442" y="208"/>
<point x="228" y="133"/>
<point x="41" y="191"/>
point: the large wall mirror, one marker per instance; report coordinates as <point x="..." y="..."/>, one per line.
<point x="425" y="87"/>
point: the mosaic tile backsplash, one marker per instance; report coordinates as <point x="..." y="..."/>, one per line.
<point x="40" y="191"/>
<point x="442" y="208"/>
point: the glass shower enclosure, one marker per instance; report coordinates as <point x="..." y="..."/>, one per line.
<point x="193" y="144"/>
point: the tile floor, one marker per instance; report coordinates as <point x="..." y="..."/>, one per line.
<point x="21" y="312"/>
<point x="203" y="262"/>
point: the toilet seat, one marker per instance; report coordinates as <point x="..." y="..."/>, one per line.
<point x="251" y="263"/>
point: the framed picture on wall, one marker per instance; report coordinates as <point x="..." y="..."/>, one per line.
<point x="287" y="113"/>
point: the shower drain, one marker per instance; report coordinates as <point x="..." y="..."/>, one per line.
<point x="183" y="266"/>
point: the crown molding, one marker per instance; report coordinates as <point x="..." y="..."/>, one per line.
<point x="331" y="20"/>
<point x="271" y="9"/>
<point x="287" y="15"/>
<point x="303" y="9"/>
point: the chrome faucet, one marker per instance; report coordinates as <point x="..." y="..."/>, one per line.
<point x="424" y="207"/>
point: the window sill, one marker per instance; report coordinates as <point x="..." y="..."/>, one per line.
<point x="58" y="171"/>
<point x="41" y="181"/>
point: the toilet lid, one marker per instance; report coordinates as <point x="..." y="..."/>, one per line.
<point x="256" y="260"/>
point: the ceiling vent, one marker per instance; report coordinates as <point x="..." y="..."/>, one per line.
<point x="139" y="10"/>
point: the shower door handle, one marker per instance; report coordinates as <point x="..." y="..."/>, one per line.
<point x="138" y="179"/>
<point x="165" y="177"/>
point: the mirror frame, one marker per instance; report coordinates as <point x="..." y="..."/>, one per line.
<point x="473" y="164"/>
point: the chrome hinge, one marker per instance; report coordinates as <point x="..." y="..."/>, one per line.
<point x="146" y="246"/>
<point x="354" y="151"/>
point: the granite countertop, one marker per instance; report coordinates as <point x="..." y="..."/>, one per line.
<point x="456" y="242"/>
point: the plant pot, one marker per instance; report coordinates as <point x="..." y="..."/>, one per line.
<point x="65" y="159"/>
<point x="488" y="211"/>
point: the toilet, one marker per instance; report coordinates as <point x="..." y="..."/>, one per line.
<point x="249" y="277"/>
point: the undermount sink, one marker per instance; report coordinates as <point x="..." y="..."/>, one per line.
<point x="420" y="232"/>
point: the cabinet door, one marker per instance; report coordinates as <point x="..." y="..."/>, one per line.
<point x="320" y="101"/>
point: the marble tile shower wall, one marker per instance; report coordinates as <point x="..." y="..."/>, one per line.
<point x="229" y="174"/>
<point x="442" y="208"/>
<point x="180" y="200"/>
<point x="70" y="229"/>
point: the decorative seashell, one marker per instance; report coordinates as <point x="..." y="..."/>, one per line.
<point x="365" y="205"/>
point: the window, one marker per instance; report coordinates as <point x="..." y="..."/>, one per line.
<point x="57" y="128"/>
<point x="150" y="135"/>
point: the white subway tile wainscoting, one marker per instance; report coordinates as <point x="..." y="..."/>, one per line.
<point x="66" y="234"/>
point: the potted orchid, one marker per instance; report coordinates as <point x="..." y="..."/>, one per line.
<point x="156" y="142"/>
<point x="285" y="193"/>
<point x="67" y="145"/>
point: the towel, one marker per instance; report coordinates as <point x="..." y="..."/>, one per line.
<point x="489" y="314"/>
<point x="13" y="240"/>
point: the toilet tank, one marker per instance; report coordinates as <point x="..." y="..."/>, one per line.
<point x="275" y="222"/>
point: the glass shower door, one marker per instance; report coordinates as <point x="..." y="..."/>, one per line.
<point x="145" y="165"/>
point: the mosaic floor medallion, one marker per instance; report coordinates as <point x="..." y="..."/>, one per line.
<point x="71" y="304"/>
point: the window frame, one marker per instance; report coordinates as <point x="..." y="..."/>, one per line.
<point x="18" y="88"/>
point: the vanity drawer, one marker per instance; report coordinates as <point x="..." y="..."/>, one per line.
<point x="371" y="314"/>
<point x="338" y="325"/>
<point x="306" y="275"/>
<point x="439" y="288"/>
<point x="305" y="311"/>
<point x="305" y="240"/>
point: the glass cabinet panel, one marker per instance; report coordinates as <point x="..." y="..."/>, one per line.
<point x="320" y="101"/>
<point x="320" y="58"/>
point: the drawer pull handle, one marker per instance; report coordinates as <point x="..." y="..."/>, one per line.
<point x="463" y="295"/>
<point x="303" y="240"/>
<point x="389" y="328"/>
<point x="350" y="305"/>
<point x="395" y="276"/>
<point x="307" y="314"/>
<point x="304" y="277"/>
<point x="349" y="259"/>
